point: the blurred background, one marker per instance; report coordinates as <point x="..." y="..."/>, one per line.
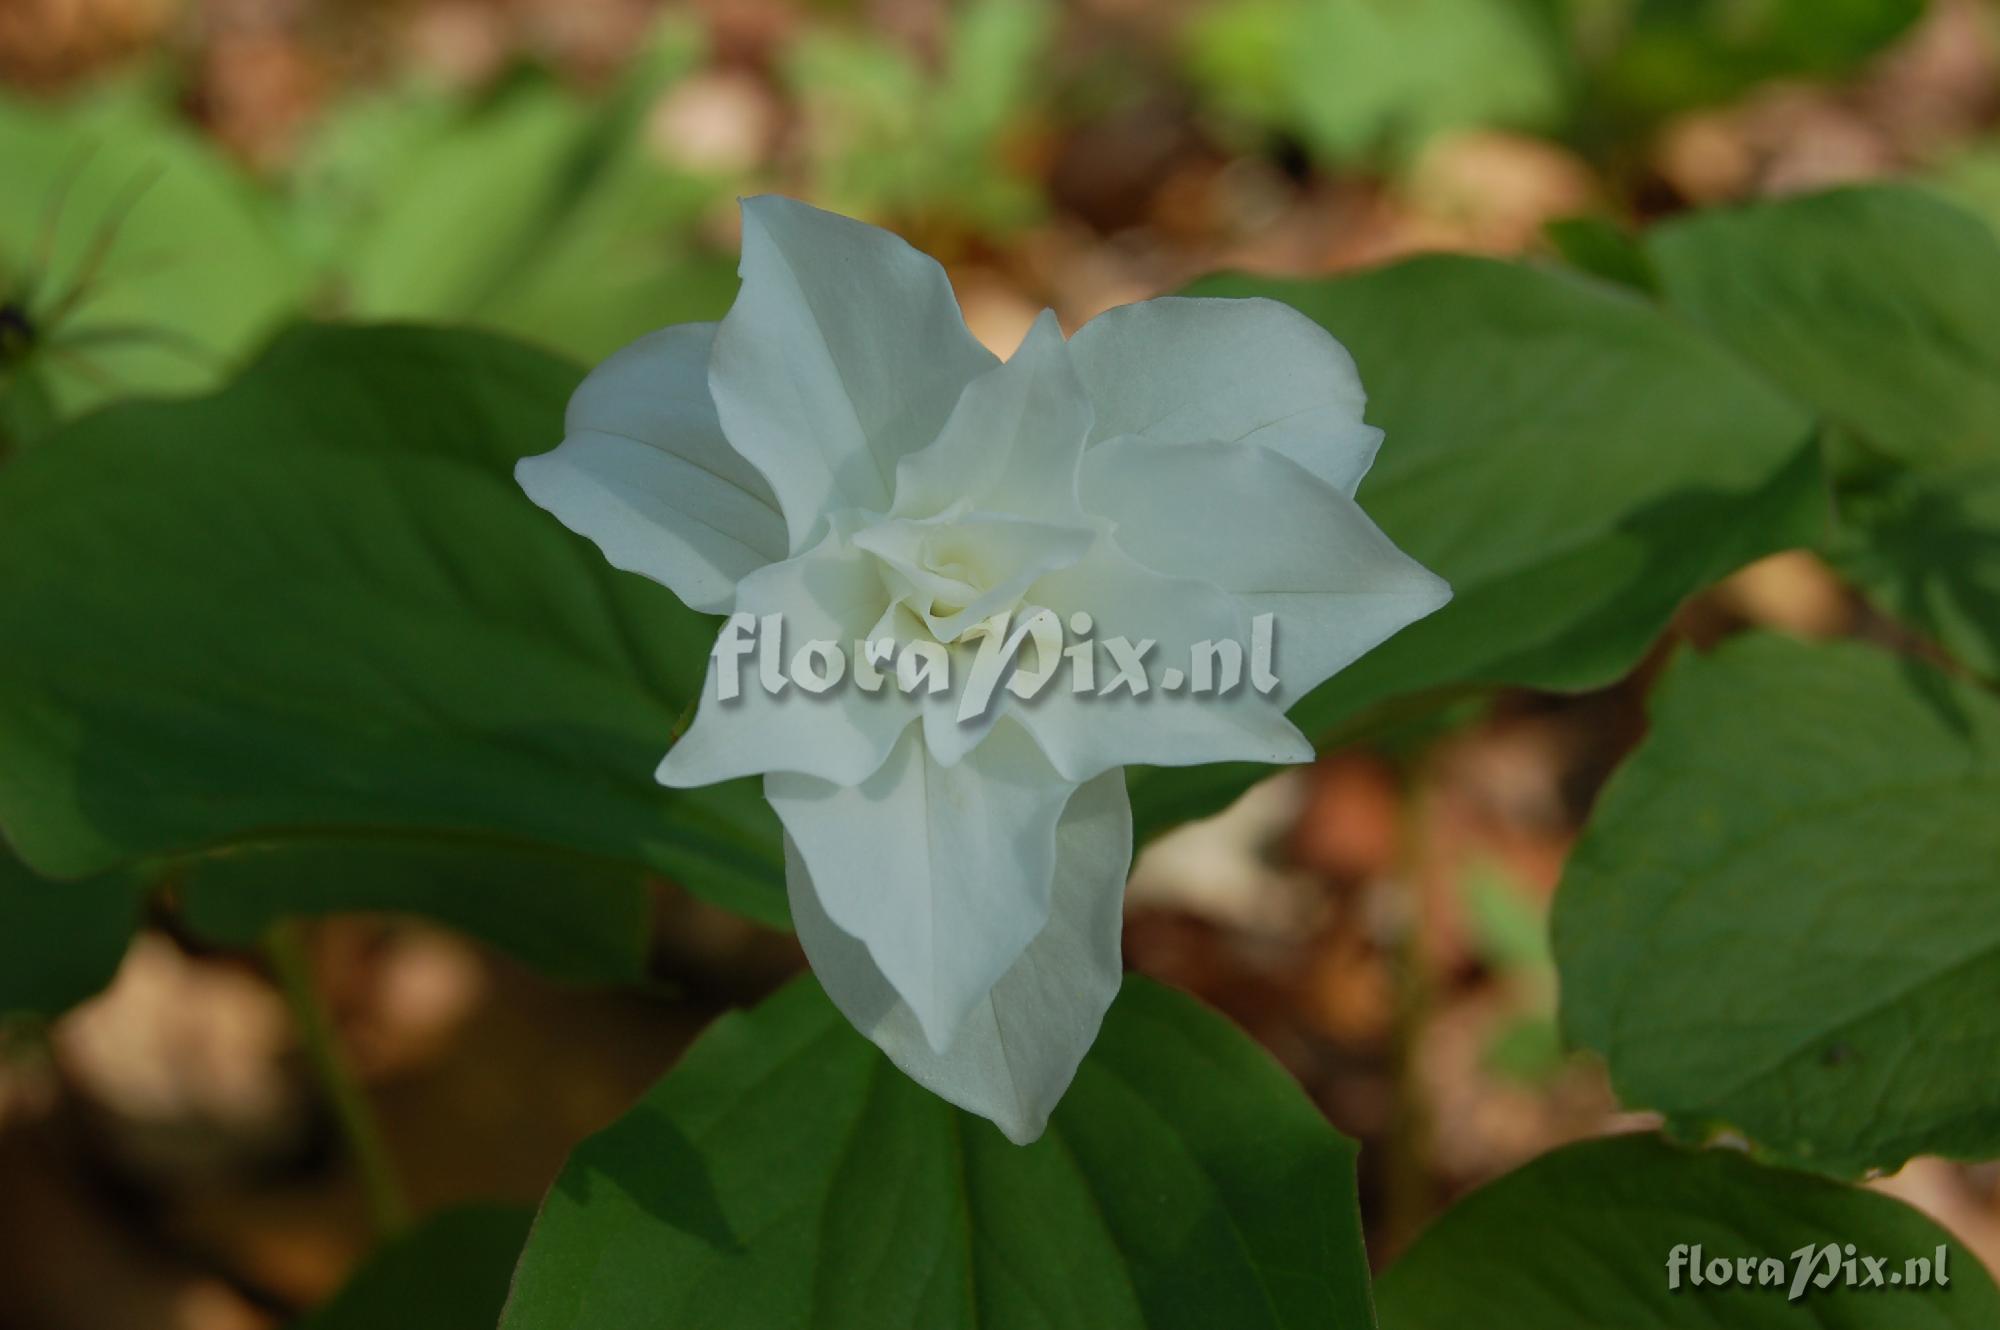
<point x="178" y="178"/>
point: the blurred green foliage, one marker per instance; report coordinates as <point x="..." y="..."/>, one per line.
<point x="888" y="138"/>
<point x="133" y="259"/>
<point x="1370" y="81"/>
<point x="535" y="211"/>
<point x="1362" y="80"/>
<point x="1507" y="930"/>
<point x="1649" y="58"/>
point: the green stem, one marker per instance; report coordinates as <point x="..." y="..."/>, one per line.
<point x="1409" y="1198"/>
<point x="285" y="948"/>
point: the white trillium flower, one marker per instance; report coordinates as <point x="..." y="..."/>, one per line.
<point x="839" y="451"/>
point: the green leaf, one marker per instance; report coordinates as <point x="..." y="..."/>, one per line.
<point x="180" y="268"/>
<point x="538" y="213"/>
<point x="1880" y="310"/>
<point x="890" y="137"/>
<point x="1581" y="1238"/>
<point x="315" y="611"/>
<point x="1875" y="306"/>
<point x="1925" y="545"/>
<point x="449" y="1273"/>
<point x="1572" y="461"/>
<point x="566" y="914"/>
<point x="60" y="942"/>
<point x="1781" y="916"/>
<point x="1662" y="56"/>
<point x="786" y="1175"/>
<point x="1605" y="250"/>
<point x="1357" y="79"/>
<point x="1968" y="175"/>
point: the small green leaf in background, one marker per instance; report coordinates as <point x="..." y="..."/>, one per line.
<point x="1656" y="57"/>
<point x="183" y="267"/>
<point x="786" y="1175"/>
<point x="316" y="611"/>
<point x="884" y="138"/>
<point x="1580" y="1239"/>
<point x="60" y="942"/>
<point x="1574" y="463"/>
<point x="449" y="1273"/>
<point x="1507" y="927"/>
<point x="1358" y="79"/>
<point x="1782" y="916"/>
<point x="536" y="213"/>
<point x="1879" y="309"/>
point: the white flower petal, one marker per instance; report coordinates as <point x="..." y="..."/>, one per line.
<point x="844" y="351"/>
<point x="1012" y="442"/>
<point x="1338" y="586"/>
<point x="831" y="593"/>
<point x="1017" y="1052"/>
<point x="1088" y="733"/>
<point x="1180" y="370"/>
<point x="645" y="473"/>
<point x="942" y="872"/>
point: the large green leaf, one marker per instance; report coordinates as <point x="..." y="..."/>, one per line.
<point x="1873" y="305"/>
<point x="1581" y="1239"/>
<point x="566" y="914"/>
<point x="59" y="941"/>
<point x="315" y="614"/>
<point x="1880" y="310"/>
<point x="786" y="1175"/>
<point x="1573" y="462"/>
<point x="179" y="268"/>
<point x="449" y="1273"/>
<point x="1782" y="918"/>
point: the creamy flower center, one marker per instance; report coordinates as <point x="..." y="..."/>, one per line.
<point x="959" y="569"/>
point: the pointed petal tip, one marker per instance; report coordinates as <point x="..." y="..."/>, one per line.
<point x="1022" y="1130"/>
<point x="1045" y="326"/>
<point x="531" y="473"/>
<point x="675" y="774"/>
<point x="749" y="205"/>
<point x="701" y="756"/>
<point x="1432" y="594"/>
<point x="1295" y="748"/>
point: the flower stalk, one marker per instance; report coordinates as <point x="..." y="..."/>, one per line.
<point x="360" y="1129"/>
